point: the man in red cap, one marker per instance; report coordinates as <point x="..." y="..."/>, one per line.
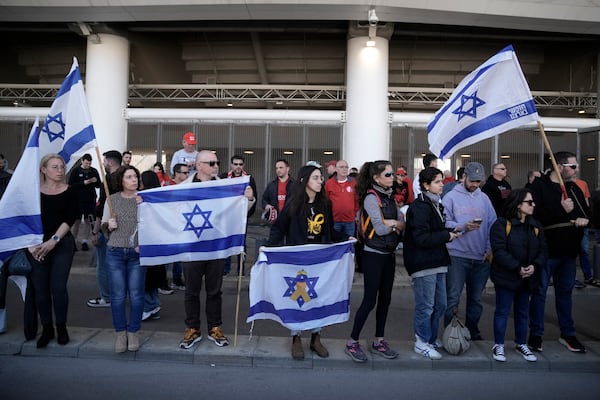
<point x="187" y="155"/>
<point x="403" y="187"/>
<point x="331" y="168"/>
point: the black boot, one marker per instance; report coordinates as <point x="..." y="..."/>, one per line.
<point x="62" y="336"/>
<point x="47" y="335"/>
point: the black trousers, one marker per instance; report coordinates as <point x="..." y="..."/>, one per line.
<point x="212" y="274"/>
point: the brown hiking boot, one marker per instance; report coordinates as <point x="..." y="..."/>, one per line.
<point x="297" y="352"/>
<point x="317" y="347"/>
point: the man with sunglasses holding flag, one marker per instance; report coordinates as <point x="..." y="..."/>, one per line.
<point x="564" y="213"/>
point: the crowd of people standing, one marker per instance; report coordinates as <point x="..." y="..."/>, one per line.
<point x="523" y="239"/>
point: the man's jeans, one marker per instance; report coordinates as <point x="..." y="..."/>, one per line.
<point x="151" y="300"/>
<point x="430" y="305"/>
<point x="562" y="270"/>
<point x="475" y="274"/>
<point x="101" y="272"/>
<point x="349" y="228"/>
<point x="584" y="255"/>
<point x="504" y="299"/>
<point x="126" y="276"/>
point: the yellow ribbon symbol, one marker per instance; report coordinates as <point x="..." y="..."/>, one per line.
<point x="315" y="224"/>
<point x="301" y="287"/>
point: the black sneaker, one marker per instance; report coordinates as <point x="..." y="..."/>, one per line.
<point x="535" y="343"/>
<point x="579" y="284"/>
<point x="571" y="343"/>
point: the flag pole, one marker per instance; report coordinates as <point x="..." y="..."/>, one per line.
<point x="552" y="159"/>
<point x="237" y="304"/>
<point x="104" y="183"/>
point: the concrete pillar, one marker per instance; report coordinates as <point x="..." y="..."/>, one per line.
<point x="367" y="131"/>
<point x="106" y="85"/>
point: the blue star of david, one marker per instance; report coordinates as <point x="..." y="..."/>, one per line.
<point x="189" y="226"/>
<point x="54" y="127"/>
<point x="471" y="101"/>
<point x="310" y="286"/>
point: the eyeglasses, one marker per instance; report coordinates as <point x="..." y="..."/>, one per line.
<point x="530" y="202"/>
<point x="238" y="164"/>
<point x="388" y="174"/>
<point x="211" y="163"/>
<point x="503" y="169"/>
<point x="182" y="172"/>
<point x="572" y="166"/>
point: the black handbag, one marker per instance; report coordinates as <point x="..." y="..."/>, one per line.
<point x="19" y="263"/>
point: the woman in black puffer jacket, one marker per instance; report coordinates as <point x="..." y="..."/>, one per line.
<point x="519" y="251"/>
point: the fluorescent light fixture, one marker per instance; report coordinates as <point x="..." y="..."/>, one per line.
<point x="248" y="151"/>
<point x="328" y="152"/>
<point x="505" y="156"/>
<point x="465" y="156"/>
<point x="288" y="152"/>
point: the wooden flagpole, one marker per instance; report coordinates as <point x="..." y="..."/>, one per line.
<point x="237" y="304"/>
<point x="552" y="159"/>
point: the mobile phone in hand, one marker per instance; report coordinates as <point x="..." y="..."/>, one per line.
<point x="477" y="221"/>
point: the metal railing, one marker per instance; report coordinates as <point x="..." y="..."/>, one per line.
<point x="417" y="97"/>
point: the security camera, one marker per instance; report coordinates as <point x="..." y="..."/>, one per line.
<point x="373" y="20"/>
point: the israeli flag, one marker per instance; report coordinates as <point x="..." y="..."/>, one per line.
<point x="68" y="130"/>
<point x="491" y="100"/>
<point x="193" y="221"/>
<point x="20" y="210"/>
<point x="303" y="287"/>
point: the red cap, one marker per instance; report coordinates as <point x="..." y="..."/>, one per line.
<point x="190" y="138"/>
<point x="400" y="171"/>
<point x="331" y="163"/>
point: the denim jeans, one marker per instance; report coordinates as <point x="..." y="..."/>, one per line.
<point x="125" y="276"/>
<point x="349" y="228"/>
<point x="475" y="274"/>
<point x="49" y="279"/>
<point x="562" y="270"/>
<point x="430" y="305"/>
<point x="584" y="254"/>
<point x="378" y="275"/>
<point x="520" y="301"/>
<point x="101" y="273"/>
<point x="177" y="272"/>
<point x="212" y="273"/>
<point x="151" y="300"/>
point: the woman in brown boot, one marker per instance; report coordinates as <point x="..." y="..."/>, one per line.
<point x="306" y="218"/>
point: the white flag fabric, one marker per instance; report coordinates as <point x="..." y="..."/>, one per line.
<point x="68" y="130"/>
<point x="20" y="210"/>
<point x="193" y="221"/>
<point x="490" y="100"/>
<point x="302" y="287"/>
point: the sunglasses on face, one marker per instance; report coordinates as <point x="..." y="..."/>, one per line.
<point x="572" y="166"/>
<point x="211" y="163"/>
<point x="238" y="164"/>
<point x="530" y="202"/>
<point x="183" y="172"/>
<point x="388" y="174"/>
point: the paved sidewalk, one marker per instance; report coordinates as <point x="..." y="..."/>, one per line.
<point x="92" y="335"/>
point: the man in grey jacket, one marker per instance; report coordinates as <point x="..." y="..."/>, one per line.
<point x="470" y="212"/>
